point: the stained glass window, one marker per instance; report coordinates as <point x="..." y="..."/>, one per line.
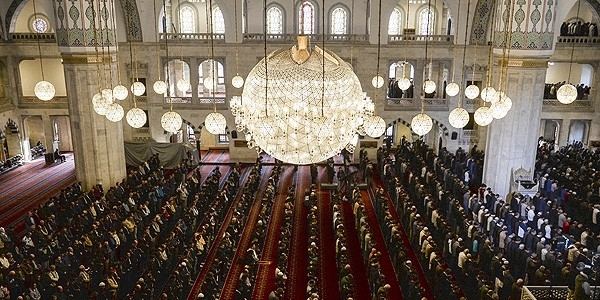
<point x="218" y="21"/>
<point x="426" y="16"/>
<point x="187" y="20"/>
<point x="339" y="21"/>
<point x="395" y="24"/>
<point x="40" y="25"/>
<point x="274" y="20"/>
<point x="306" y="18"/>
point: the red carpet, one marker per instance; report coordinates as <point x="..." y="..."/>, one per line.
<point x="233" y="275"/>
<point x="406" y="241"/>
<point x="26" y="187"/>
<point x="210" y="257"/>
<point x="298" y="256"/>
<point x="387" y="268"/>
<point x="329" y="279"/>
<point x="265" y="275"/>
<point x="362" y="290"/>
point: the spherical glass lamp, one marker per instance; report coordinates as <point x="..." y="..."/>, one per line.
<point x="458" y="117"/>
<point x="404" y="83"/>
<point x="215" y="123"/>
<point x="171" y="121"/>
<point x="138" y="88"/>
<point x="472" y="91"/>
<point x="374" y="126"/>
<point x="183" y="85"/>
<point x="237" y="81"/>
<point x="421" y="124"/>
<point x="136" y="117"/>
<point x="377" y="82"/>
<point x="44" y="90"/>
<point x="293" y="122"/>
<point x="487" y="94"/>
<point x="452" y="89"/>
<point x="566" y="94"/>
<point x="160" y="87"/>
<point x="120" y="92"/>
<point x="429" y="86"/>
<point x="209" y="83"/>
<point x="499" y="110"/>
<point x="115" y="112"/>
<point x="483" y="116"/>
<point x="108" y="95"/>
<point x="100" y="104"/>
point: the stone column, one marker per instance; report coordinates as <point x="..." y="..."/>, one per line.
<point x="84" y="33"/>
<point x="97" y="142"/>
<point x="512" y="141"/>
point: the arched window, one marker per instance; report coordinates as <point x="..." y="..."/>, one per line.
<point x="187" y="20"/>
<point x="274" y="20"/>
<point x="306" y="18"/>
<point x="206" y="69"/>
<point x="396" y="22"/>
<point x="218" y="21"/>
<point x="339" y="21"/>
<point x="175" y="70"/>
<point x="426" y="17"/>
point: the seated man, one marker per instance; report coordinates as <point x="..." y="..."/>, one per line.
<point x="58" y="156"/>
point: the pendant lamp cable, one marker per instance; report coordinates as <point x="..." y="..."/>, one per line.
<point x="378" y="50"/>
<point x="266" y="58"/>
<point x="462" y="78"/>
<point x="454" y="59"/>
<point x="38" y="43"/>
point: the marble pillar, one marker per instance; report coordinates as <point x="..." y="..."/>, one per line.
<point x="97" y="142"/>
<point x="512" y="141"/>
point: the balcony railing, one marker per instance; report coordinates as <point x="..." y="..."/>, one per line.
<point x="545" y="292"/>
<point x="579" y="40"/>
<point x="395" y="39"/>
<point x="33" y="37"/>
<point x="577" y="105"/>
<point x="217" y="37"/>
<point x="35" y="100"/>
<point x="330" y="38"/>
<point x="415" y="104"/>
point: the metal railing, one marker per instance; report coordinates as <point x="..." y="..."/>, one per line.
<point x="33" y="37"/>
<point x="331" y="38"/>
<point x="415" y="103"/>
<point x="544" y="292"/>
<point x="394" y="39"/>
<point x="577" y="105"/>
<point x="579" y="40"/>
<point x="192" y="36"/>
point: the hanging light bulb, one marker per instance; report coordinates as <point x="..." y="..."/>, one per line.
<point x="215" y="123"/>
<point x="171" y="121"/>
<point x="429" y="86"/>
<point x="44" y="90"/>
<point x="136" y="117"/>
<point x="138" y="88"/>
<point x="421" y="124"/>
<point x="160" y="87"/>
<point x="237" y="81"/>
<point x="404" y="83"/>
<point x="100" y="104"/>
<point x="209" y="83"/>
<point x="566" y="94"/>
<point x="487" y="94"/>
<point x="483" y="116"/>
<point x="499" y="110"/>
<point x="374" y="126"/>
<point x="472" y="91"/>
<point x="114" y="112"/>
<point x="452" y="89"/>
<point x="120" y="92"/>
<point x="377" y="82"/>
<point x="183" y="85"/>
<point x="458" y="117"/>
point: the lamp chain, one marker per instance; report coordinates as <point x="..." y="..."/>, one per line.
<point x="212" y="58"/>
<point x="378" y="50"/>
<point x="265" y="52"/>
<point x="454" y="59"/>
<point x="38" y="42"/>
<point x="573" y="47"/>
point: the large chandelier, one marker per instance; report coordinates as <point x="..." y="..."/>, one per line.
<point x="296" y="112"/>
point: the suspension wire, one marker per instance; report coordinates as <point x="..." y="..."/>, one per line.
<point x="462" y="79"/>
<point x="237" y="67"/>
<point x="265" y="52"/>
<point x="489" y="74"/>
<point x="573" y="47"/>
<point x="110" y="72"/>
<point x="454" y="58"/>
<point x="158" y="65"/>
<point x="114" y="26"/>
<point x="512" y="9"/>
<point x="212" y="58"/>
<point x="102" y="45"/>
<point x="323" y="61"/>
<point x="131" y="60"/>
<point x="96" y="44"/>
<point x="168" y="78"/>
<point x="38" y="43"/>
<point x="378" y="50"/>
<point x="426" y="53"/>
<point x="351" y="34"/>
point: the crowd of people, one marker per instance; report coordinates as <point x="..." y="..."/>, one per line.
<point x="578" y="28"/>
<point x="550" y="90"/>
